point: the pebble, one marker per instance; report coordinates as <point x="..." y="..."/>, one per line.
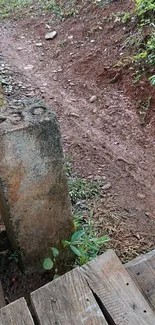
<point x="74" y="114"/>
<point x="39" y="44"/>
<point x="93" y="99"/>
<point x="29" y="67"/>
<point x="140" y="196"/>
<point x="55" y="78"/>
<point x="106" y="186"/>
<point x="51" y="35"/>
<point x="95" y="110"/>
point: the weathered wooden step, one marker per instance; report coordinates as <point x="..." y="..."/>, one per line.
<point x="16" y="313"/>
<point x="67" y="300"/>
<point x="142" y="271"/>
<point x="117" y="293"/>
<point x="102" y="289"/>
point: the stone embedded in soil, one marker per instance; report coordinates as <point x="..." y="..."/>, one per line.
<point x="34" y="198"/>
<point x="50" y="35"/>
<point x="39" y="44"/>
<point x="28" y="67"/>
<point x="140" y="196"/>
<point x="106" y="186"/>
<point x="93" y="99"/>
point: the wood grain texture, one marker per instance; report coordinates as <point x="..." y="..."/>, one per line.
<point x="16" y="313"/>
<point x="67" y="301"/>
<point x="2" y="300"/>
<point x="118" y="293"/>
<point x="142" y="271"/>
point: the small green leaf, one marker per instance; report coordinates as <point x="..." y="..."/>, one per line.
<point x="55" y="251"/>
<point x="100" y="240"/>
<point x="75" y="250"/>
<point x="65" y="243"/>
<point x="56" y="276"/>
<point x="78" y="234"/>
<point x="48" y="264"/>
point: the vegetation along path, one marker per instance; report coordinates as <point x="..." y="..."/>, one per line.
<point x="105" y="105"/>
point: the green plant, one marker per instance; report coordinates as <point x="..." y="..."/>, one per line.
<point x="145" y="9"/>
<point x="14" y="257"/>
<point x="59" y="8"/>
<point x="84" y="243"/>
<point x="85" y="246"/>
<point x="50" y="262"/>
<point x="82" y="189"/>
<point x="126" y="17"/>
<point x="9" y="6"/>
<point x="152" y="80"/>
<point x="142" y="40"/>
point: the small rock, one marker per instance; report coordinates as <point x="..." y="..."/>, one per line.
<point x="39" y="44"/>
<point x="30" y="94"/>
<point x="92" y="41"/>
<point x="19" y="48"/>
<point x="48" y="26"/>
<point x="29" y="67"/>
<point x="74" y="114"/>
<point x="106" y="186"/>
<point x="140" y="196"/>
<point x="95" y="110"/>
<point x="51" y="35"/>
<point x="55" y="78"/>
<point x="93" y="99"/>
<point x="70" y="37"/>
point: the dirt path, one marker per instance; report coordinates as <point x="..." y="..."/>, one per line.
<point x="103" y="138"/>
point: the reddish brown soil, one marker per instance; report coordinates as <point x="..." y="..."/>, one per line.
<point x="104" y="138"/>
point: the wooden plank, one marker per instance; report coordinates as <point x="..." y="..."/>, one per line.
<point x="142" y="271"/>
<point x="67" y="301"/>
<point x="16" y="313"/>
<point x="119" y="297"/>
<point x="2" y="300"/>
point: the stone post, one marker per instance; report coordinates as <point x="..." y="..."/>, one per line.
<point x="34" y="198"/>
